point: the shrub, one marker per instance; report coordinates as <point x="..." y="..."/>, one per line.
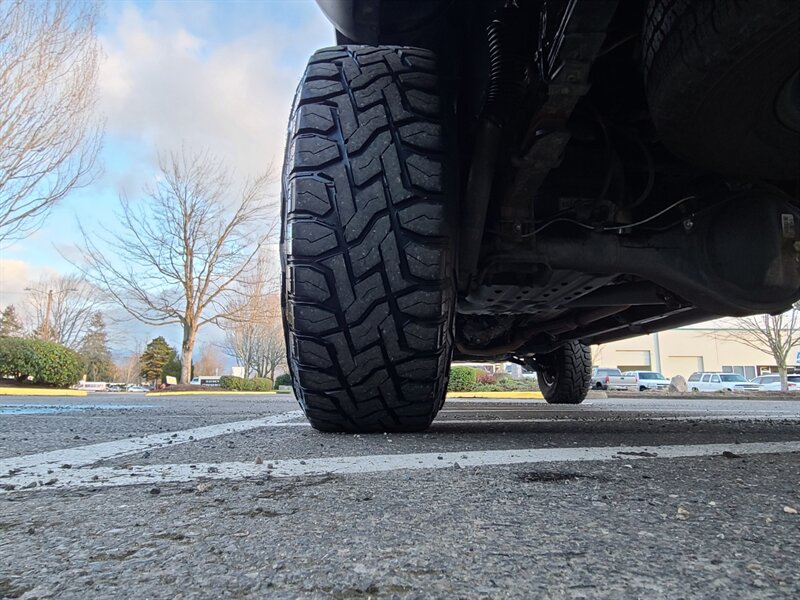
<point x="509" y="385"/>
<point x="484" y="377"/>
<point x="462" y="379"/>
<point x="261" y="384"/>
<point x="285" y="379"/>
<point x="240" y="384"/>
<point x="17" y="358"/>
<point x="46" y="363"/>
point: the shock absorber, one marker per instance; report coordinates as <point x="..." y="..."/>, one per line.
<point x="504" y="92"/>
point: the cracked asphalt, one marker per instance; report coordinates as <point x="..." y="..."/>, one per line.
<point x="645" y="512"/>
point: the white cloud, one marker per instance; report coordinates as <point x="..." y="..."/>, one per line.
<point x="166" y="86"/>
<point x="15" y="276"/>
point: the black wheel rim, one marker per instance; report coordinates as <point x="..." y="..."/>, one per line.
<point x="787" y="103"/>
<point x="548" y="378"/>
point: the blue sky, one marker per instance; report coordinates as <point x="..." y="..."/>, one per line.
<point x="211" y="75"/>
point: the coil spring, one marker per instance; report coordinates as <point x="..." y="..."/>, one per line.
<point x="506" y="84"/>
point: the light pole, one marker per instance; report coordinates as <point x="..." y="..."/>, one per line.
<point x="48" y="308"/>
<point x="657" y="348"/>
<point x="49" y="305"/>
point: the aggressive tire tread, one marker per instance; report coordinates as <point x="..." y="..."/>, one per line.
<point x="569" y="374"/>
<point x="366" y="241"/>
<point x="698" y="57"/>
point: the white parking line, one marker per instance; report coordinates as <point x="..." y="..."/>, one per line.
<point x="600" y="409"/>
<point x="573" y="419"/>
<point x="87" y="455"/>
<point x="501" y="401"/>
<point x="352" y="465"/>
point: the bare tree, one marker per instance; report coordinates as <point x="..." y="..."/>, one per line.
<point x="776" y="335"/>
<point x="209" y="361"/>
<point x="61" y="308"/>
<point x="258" y="346"/>
<point x="241" y="344"/>
<point x="270" y="349"/>
<point x="242" y="331"/>
<point x="127" y="369"/>
<point x="176" y="253"/>
<point x="49" y="134"/>
<point x="255" y="336"/>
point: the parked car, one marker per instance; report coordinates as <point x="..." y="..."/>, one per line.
<point x="772" y="383"/>
<point x="720" y="382"/>
<point x="604" y="378"/>
<point x="648" y="380"/>
<point x="138" y="388"/>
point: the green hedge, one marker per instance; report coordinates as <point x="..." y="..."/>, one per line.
<point x="508" y="385"/>
<point x="46" y="363"/>
<point x="284" y="379"/>
<point x="462" y="379"/>
<point x="240" y="384"/>
<point x="466" y="379"/>
<point x="17" y="358"/>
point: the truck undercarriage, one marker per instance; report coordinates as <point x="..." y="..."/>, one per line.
<point x="608" y="169"/>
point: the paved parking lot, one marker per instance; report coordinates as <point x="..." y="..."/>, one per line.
<point x="205" y="497"/>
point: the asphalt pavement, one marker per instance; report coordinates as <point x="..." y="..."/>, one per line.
<point x="128" y="496"/>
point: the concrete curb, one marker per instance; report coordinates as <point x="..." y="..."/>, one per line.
<point x="592" y="395"/>
<point x="207" y="393"/>
<point x="768" y="396"/>
<point x="4" y="391"/>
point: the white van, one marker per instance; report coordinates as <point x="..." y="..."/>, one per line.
<point x="92" y="386"/>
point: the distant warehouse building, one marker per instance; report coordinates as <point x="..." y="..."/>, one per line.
<point x="686" y="350"/>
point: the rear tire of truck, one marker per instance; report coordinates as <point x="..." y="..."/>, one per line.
<point x="565" y="375"/>
<point x="723" y="85"/>
<point x="367" y="240"/>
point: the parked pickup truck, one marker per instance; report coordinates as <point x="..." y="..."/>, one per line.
<point x="604" y="379"/>
<point x="648" y="380"/>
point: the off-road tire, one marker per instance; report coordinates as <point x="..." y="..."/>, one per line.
<point x="565" y="374"/>
<point x="367" y="240"/>
<point x="717" y="72"/>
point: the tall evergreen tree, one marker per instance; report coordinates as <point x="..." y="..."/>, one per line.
<point x="154" y="358"/>
<point x="173" y="366"/>
<point x="94" y="350"/>
<point x="10" y="325"/>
